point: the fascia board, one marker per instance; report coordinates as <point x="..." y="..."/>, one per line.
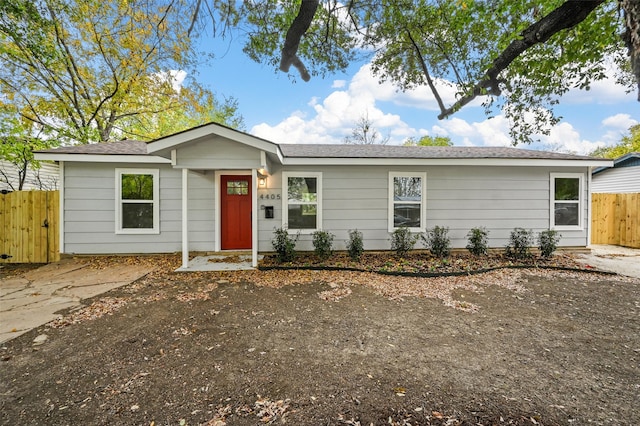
<point x="504" y="162"/>
<point x="211" y="129"/>
<point x="102" y="158"/>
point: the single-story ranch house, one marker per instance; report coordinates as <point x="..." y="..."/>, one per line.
<point x="212" y="188"/>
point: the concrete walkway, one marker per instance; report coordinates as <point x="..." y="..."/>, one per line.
<point x="621" y="260"/>
<point x="220" y="262"/>
<point x="32" y="299"/>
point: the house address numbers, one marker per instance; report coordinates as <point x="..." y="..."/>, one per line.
<point x="270" y="196"/>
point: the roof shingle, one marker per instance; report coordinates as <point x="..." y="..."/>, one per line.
<point x="133" y="147"/>
<point x="125" y="147"/>
<point x="424" y="152"/>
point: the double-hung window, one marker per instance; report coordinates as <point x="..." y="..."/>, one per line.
<point x="302" y="202"/>
<point x="407" y="196"/>
<point x="137" y="201"/>
<point x="566" y="201"/>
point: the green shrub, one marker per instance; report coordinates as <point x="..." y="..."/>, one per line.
<point x="402" y="242"/>
<point x="520" y="242"/>
<point x="323" y="244"/>
<point x="548" y="242"/>
<point x="437" y="241"/>
<point x="284" y="244"/>
<point x="355" y="245"/>
<point x="478" y="241"/>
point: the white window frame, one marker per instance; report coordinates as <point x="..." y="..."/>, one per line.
<point x="285" y="200"/>
<point x="422" y="202"/>
<point x="553" y="201"/>
<point x="156" y="201"/>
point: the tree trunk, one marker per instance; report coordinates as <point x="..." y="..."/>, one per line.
<point x="632" y="36"/>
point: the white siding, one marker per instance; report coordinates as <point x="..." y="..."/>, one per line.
<point x="617" y="180"/>
<point x="218" y="153"/>
<point x="44" y="178"/>
<point x="498" y="198"/>
<point x="90" y="212"/>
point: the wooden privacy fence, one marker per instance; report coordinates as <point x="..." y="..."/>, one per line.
<point x="615" y="219"/>
<point x="29" y="231"/>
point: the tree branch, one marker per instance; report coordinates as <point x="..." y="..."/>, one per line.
<point x="194" y="17"/>
<point x="568" y="15"/>
<point x="425" y="70"/>
<point x="631" y="36"/>
<point x="298" y="28"/>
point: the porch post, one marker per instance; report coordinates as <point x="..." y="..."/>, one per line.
<point x="185" y="218"/>
<point x="254" y="218"/>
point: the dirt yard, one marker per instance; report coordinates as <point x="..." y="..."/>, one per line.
<point x="335" y="348"/>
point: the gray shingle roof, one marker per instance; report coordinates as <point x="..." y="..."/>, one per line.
<point x="426" y="152"/>
<point x="126" y="147"/>
<point x="132" y="147"/>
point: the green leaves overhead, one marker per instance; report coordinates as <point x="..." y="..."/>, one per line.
<point x="436" y="43"/>
<point x="94" y="71"/>
<point x="88" y="70"/>
<point x="628" y="144"/>
<point x="518" y="58"/>
<point x="329" y="44"/>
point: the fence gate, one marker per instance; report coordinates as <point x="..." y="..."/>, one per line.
<point x="29" y="227"/>
<point x="615" y="219"/>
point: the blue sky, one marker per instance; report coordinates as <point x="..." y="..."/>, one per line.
<point x="283" y="109"/>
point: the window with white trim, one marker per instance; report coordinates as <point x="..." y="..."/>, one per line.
<point x="566" y="201"/>
<point x="407" y="197"/>
<point x="137" y="201"/>
<point x="302" y="201"/>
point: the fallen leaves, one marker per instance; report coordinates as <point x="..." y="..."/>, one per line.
<point x="182" y="331"/>
<point x="269" y="411"/>
<point x="225" y="259"/>
<point x="336" y="293"/>
<point x="190" y="297"/>
<point x="389" y="286"/>
<point x="399" y="391"/>
<point x="98" y="309"/>
<point x="423" y="262"/>
<point x="220" y="418"/>
<point x="342" y="282"/>
<point x="265" y="409"/>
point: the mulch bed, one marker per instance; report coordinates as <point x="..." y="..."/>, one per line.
<point x="422" y="263"/>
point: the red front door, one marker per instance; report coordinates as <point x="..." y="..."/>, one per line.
<point x="235" y="214"/>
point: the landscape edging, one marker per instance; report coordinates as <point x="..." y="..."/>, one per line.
<point x="428" y="274"/>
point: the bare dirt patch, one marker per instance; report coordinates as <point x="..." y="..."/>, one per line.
<point x="340" y="348"/>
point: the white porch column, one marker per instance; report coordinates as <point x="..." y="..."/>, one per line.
<point x="185" y="218"/>
<point x="254" y="218"/>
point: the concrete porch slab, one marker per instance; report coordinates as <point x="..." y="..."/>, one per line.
<point x="219" y="262"/>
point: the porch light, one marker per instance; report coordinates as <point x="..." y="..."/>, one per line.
<point x="262" y="182"/>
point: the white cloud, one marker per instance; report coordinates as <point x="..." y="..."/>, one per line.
<point x="602" y="92"/>
<point x="175" y="77"/>
<point x="331" y="119"/>
<point x="620" y="121"/>
<point x="565" y="138"/>
<point x="293" y="130"/>
<point x="335" y="116"/>
<point x="490" y="132"/>
<point x="421" y="97"/>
